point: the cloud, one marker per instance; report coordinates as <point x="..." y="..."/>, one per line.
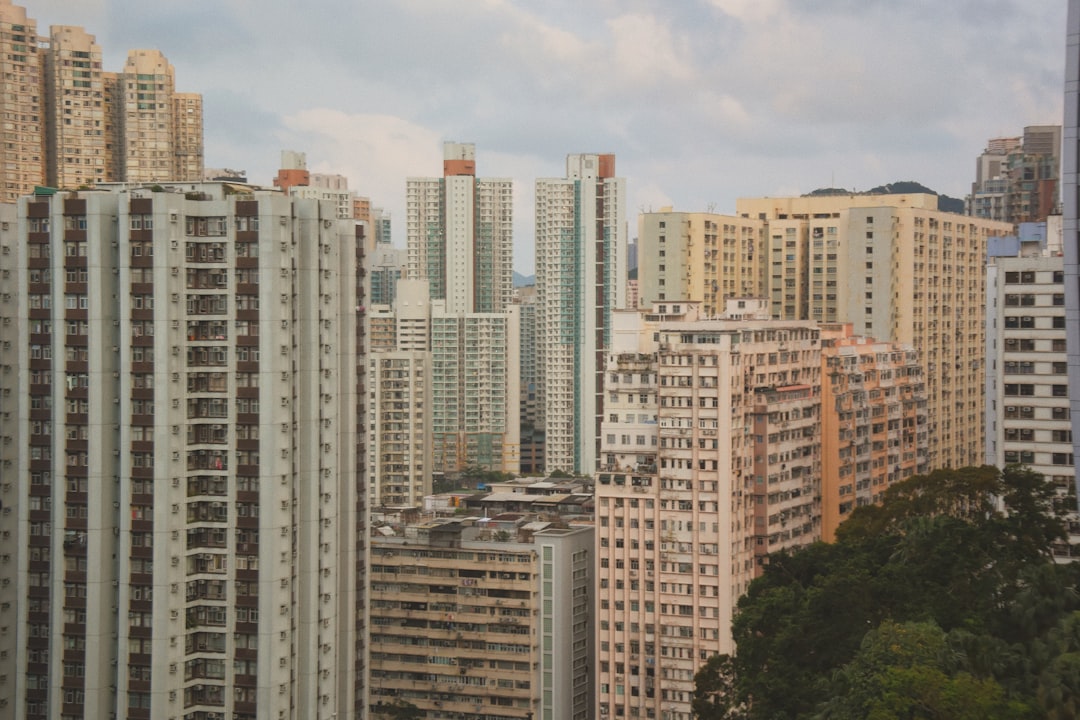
<point x="376" y="152"/>
<point x="701" y="102"/>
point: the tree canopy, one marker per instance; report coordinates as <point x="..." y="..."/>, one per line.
<point x="936" y="603"/>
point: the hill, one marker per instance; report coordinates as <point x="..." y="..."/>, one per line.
<point x="945" y="203"/>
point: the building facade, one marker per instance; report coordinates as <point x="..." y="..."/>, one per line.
<point x="183" y="388"/>
<point x="1070" y="209"/>
<point x="22" y="154"/>
<point x="702" y="257"/>
<point x="1017" y="178"/>
<point x="400" y="425"/>
<point x="580" y="279"/>
<point x="460" y="234"/>
<point x="530" y="423"/>
<point x="1027" y="382"/>
<point x="490" y="625"/>
<point x="71" y="124"/>
<point x="74" y="85"/>
<point x="475" y="412"/>
<point x="710" y="461"/>
<point x="873" y="410"/>
<point x="460" y="242"/>
<point x="899" y="271"/>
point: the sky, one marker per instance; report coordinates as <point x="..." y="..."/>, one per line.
<point x="702" y="101"/>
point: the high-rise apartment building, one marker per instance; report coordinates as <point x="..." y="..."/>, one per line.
<point x="147" y="87"/>
<point x="901" y="271"/>
<point x="475" y="412"/>
<point x="1016" y="178"/>
<point x="70" y="124"/>
<point x="874" y="418"/>
<point x="75" y="127"/>
<point x="532" y="434"/>
<point x="380" y="223"/>
<point x="387" y="268"/>
<point x="1070" y="211"/>
<point x="484" y="624"/>
<point x="703" y="257"/>
<point x="293" y="178"/>
<point x="183" y="404"/>
<point x="460" y="234"/>
<point x="400" y="425"/>
<point x="580" y="279"/>
<point x="187" y="136"/>
<point x="1027" y="383"/>
<point x="22" y="102"/>
<point x="710" y="460"/>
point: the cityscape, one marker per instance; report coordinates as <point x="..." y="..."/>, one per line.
<point x="283" y="446"/>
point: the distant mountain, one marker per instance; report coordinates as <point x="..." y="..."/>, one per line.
<point x="523" y="280"/>
<point x="945" y="203"/>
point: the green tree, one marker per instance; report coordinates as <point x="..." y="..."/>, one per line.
<point x="937" y="603"/>
<point x="398" y="710"/>
<point x="714" y="685"/>
<point x="900" y="672"/>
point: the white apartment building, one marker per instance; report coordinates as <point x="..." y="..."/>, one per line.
<point x="460" y="241"/>
<point x="184" y="520"/>
<point x="474" y="410"/>
<point x="400" y="422"/>
<point x="1027" y="387"/>
<point x="580" y="279"/>
<point x="459" y="234"/>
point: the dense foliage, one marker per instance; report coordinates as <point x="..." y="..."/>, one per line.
<point x="934" y="604"/>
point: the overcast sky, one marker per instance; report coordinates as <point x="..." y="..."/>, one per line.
<point x="702" y="101"/>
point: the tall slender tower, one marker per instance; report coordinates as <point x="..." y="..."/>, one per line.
<point x="182" y="457"/>
<point x="580" y="279"/>
<point x="460" y="234"/>
<point x="459" y="239"/>
<point x="75" y="137"/>
<point x="1070" y="220"/>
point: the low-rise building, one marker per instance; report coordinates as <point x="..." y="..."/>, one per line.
<point x="475" y="621"/>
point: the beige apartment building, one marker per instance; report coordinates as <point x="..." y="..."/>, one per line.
<point x="900" y="271"/>
<point x="698" y="256"/>
<point x="73" y="83"/>
<point x="22" y="152"/>
<point x="476" y="621"/>
<point x="874" y="421"/>
<point x="70" y="124"/>
<point x="710" y="459"/>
